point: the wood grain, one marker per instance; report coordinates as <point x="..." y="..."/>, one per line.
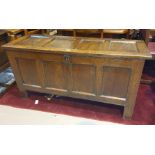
<point x="101" y="70"/>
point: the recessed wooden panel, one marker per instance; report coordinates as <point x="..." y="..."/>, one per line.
<point x="125" y="46"/>
<point x="91" y="44"/>
<point x="55" y="75"/>
<point x="34" y="41"/>
<point x="62" y="43"/>
<point x="28" y="71"/>
<point x="115" y="81"/>
<point x="83" y="79"/>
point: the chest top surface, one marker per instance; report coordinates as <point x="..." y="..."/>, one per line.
<point x="80" y="45"/>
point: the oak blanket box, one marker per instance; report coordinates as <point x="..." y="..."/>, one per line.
<point x="104" y="70"/>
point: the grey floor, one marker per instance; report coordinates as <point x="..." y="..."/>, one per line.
<point x="16" y="116"/>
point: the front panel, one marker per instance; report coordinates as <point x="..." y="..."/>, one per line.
<point x="115" y="81"/>
<point x="55" y="75"/>
<point x="28" y="70"/>
<point x="101" y="79"/>
<point x="83" y="79"/>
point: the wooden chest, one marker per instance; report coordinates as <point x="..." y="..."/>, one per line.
<point x="103" y="70"/>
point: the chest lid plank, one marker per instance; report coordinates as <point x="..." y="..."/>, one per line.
<point x="79" y="45"/>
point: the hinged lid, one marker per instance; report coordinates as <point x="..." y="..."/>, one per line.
<point x="78" y="45"/>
